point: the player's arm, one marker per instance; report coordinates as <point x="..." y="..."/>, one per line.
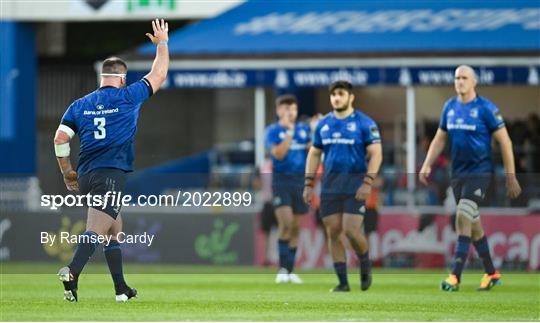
<point x="312" y="163"/>
<point x="435" y="149"/>
<point x="160" y="66"/>
<point x="512" y="184"/>
<point x="374" y="156"/>
<point x="280" y="150"/>
<point x="61" y="147"/>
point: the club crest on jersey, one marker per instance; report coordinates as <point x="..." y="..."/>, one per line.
<point x="100" y="106"/>
<point x="351" y="126"/>
<point x="374" y="132"/>
<point x="474" y="113"/>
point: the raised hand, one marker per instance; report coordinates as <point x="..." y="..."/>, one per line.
<point x="161" y="31"/>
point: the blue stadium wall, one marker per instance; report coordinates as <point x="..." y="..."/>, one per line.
<point x="17" y="99"/>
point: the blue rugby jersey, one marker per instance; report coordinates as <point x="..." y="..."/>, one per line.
<point x="469" y="127"/>
<point x="344" y="143"/>
<point x="292" y="167"/>
<point x="106" y="122"/>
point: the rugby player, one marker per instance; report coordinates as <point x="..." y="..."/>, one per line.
<point x="288" y="142"/>
<point x="351" y="143"/>
<point x="468" y="122"/>
<point x="106" y="121"/>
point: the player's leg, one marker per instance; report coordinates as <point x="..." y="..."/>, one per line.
<point x="470" y="193"/>
<point x="285" y="218"/>
<point x="491" y="275"/>
<point x="293" y="242"/>
<point x="451" y="283"/>
<point x="481" y="245"/>
<point x="331" y="209"/>
<point x="113" y="255"/>
<point x="352" y="226"/>
<point x="98" y="223"/>
<point x="299" y="209"/>
<point x="463" y="230"/>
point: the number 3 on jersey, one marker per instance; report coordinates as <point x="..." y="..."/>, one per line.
<point x="100" y="133"/>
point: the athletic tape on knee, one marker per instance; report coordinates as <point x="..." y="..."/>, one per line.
<point x="469" y="209"/>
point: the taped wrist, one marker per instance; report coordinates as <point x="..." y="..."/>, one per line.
<point x="62" y="150"/>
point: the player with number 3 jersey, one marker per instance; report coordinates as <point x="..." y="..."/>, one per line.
<point x="106" y="122"/>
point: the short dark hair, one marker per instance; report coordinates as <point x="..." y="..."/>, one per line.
<point x="341" y="84"/>
<point x="114" y="65"/>
<point x="286" y="99"/>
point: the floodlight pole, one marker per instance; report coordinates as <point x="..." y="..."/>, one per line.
<point x="259" y="126"/>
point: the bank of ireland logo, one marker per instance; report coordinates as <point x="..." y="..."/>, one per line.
<point x="100" y="106"/>
<point x="474" y="113"/>
<point x="351" y="126"/>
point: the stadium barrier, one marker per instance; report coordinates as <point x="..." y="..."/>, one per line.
<point x="514" y="242"/>
<point x="202" y="238"/>
<point x="220" y="238"/>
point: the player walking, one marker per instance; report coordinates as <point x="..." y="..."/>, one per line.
<point x="288" y="142"/>
<point x="469" y="121"/>
<point x="106" y="122"/>
<point x="348" y="138"/>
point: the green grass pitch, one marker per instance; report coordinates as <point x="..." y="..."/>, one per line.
<point x="249" y="294"/>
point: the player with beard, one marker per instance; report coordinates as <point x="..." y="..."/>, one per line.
<point x="348" y="138"/>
